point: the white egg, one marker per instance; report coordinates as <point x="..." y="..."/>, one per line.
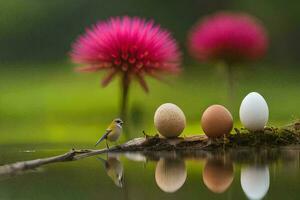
<point x="254" y="112"/>
<point x="255" y="181"/>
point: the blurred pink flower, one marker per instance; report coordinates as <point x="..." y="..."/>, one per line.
<point x="132" y="47"/>
<point x="227" y="36"/>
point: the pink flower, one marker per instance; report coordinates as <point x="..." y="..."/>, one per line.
<point x="129" y="46"/>
<point x="230" y="37"/>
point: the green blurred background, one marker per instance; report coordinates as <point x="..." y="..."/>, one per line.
<point x="42" y="99"/>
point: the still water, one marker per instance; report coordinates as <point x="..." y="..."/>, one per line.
<point x="236" y="174"/>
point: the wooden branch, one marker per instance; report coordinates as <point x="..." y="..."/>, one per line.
<point x="270" y="137"/>
<point x="31" y="164"/>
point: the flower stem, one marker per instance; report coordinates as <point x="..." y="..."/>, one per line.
<point x="124" y="98"/>
<point x="230" y="84"/>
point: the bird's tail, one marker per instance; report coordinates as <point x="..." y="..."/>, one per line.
<point x="102" y="138"/>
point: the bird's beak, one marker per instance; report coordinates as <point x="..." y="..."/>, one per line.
<point x="121" y="181"/>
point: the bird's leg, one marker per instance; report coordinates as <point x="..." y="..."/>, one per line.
<point x="106" y="144"/>
<point x="145" y="163"/>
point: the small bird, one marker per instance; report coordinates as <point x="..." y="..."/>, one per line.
<point x="113" y="132"/>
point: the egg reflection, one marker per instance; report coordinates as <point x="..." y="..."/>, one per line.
<point x="218" y="175"/>
<point x="114" y="169"/>
<point x="170" y="174"/>
<point x="255" y="181"/>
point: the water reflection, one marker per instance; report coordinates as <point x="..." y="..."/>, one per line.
<point x="219" y="172"/>
<point x="228" y="174"/>
<point x="114" y="169"/>
<point x="135" y="156"/>
<point x="218" y="175"/>
<point x="255" y="181"/>
<point x="170" y="174"/>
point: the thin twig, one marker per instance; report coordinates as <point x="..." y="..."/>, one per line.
<point x="32" y="164"/>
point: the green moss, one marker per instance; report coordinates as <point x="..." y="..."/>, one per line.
<point x="271" y="136"/>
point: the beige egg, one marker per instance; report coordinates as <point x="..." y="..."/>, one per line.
<point x="169" y="120"/>
<point x="216" y="121"/>
<point x="217" y="175"/>
<point x="170" y="175"/>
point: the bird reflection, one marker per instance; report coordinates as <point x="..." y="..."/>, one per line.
<point x="170" y="174"/>
<point x="218" y="175"/>
<point x="114" y="169"/>
<point x="255" y="181"/>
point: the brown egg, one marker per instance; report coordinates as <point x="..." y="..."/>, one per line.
<point x="216" y="121"/>
<point x="169" y="120"/>
<point x="217" y="175"/>
<point x="170" y="175"/>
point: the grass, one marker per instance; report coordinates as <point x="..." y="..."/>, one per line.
<point x="50" y="103"/>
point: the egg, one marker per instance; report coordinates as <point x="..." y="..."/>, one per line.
<point x="169" y="120"/>
<point x="254" y="112"/>
<point x="218" y="175"/>
<point x="216" y="121"/>
<point x="170" y="174"/>
<point x="255" y="181"/>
